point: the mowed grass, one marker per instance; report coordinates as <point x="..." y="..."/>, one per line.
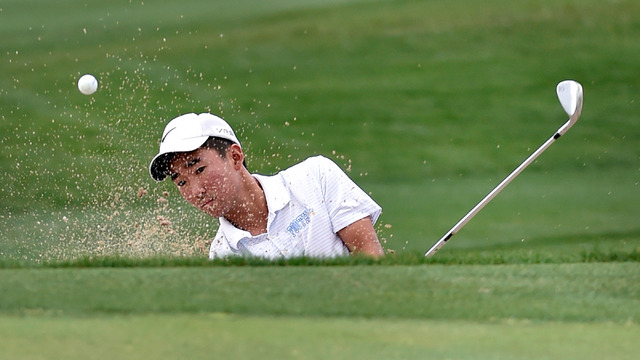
<point x="203" y="336"/>
<point x="479" y="292"/>
<point x="426" y="104"/>
<point x="488" y="311"/>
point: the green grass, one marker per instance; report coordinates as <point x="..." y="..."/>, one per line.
<point x="428" y="104"/>
<point x="480" y="292"/>
<point x="429" y="311"/>
<point x="204" y="336"/>
<point x="617" y="252"/>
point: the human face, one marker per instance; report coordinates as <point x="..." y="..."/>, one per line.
<point x="205" y="179"/>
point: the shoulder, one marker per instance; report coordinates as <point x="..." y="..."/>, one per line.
<point x="313" y="165"/>
<point x="311" y="176"/>
<point x="314" y="171"/>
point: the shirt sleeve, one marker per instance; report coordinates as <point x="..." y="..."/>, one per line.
<point x="220" y="247"/>
<point x="346" y="202"/>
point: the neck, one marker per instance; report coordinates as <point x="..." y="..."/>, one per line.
<point x="251" y="212"/>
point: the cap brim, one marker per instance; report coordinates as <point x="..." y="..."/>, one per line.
<point x="159" y="166"/>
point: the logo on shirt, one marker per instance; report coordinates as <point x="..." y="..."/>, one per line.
<point x="300" y="222"/>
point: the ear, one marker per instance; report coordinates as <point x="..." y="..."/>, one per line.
<point x="234" y="152"/>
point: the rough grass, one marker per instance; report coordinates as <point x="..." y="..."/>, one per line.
<point x="407" y="258"/>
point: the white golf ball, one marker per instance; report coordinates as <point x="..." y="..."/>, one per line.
<point x="87" y="84"/>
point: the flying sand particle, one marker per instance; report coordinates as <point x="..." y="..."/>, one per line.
<point x="141" y="192"/>
<point x="163" y="221"/>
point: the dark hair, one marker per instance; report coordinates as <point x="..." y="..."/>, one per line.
<point x="218" y="144"/>
<point x="221" y="146"/>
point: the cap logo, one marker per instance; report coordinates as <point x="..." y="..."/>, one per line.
<point x="225" y="131"/>
<point x="167" y="133"/>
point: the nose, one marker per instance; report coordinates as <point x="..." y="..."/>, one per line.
<point x="198" y="189"/>
<point x="193" y="191"/>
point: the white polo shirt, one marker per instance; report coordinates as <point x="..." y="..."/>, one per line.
<point x="308" y="204"/>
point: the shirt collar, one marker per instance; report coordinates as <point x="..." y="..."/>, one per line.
<point x="275" y="192"/>
<point x="277" y="197"/>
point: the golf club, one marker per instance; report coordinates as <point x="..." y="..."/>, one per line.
<point x="570" y="95"/>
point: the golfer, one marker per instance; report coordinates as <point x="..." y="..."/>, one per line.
<point x="311" y="209"/>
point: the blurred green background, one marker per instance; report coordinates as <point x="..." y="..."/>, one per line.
<point x="426" y="104"/>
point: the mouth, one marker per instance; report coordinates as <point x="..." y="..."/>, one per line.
<point x="207" y="203"/>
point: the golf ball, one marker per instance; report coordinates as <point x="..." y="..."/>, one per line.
<point x="87" y="84"/>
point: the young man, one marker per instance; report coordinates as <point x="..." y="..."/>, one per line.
<point x="311" y="209"/>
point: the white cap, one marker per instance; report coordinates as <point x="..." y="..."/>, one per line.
<point x="187" y="133"/>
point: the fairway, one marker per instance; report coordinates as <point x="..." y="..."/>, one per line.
<point x="381" y="312"/>
<point x="481" y="292"/>
<point x="204" y="336"/>
<point x="427" y="105"/>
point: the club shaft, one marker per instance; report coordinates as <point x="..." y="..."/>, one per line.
<point x="497" y="190"/>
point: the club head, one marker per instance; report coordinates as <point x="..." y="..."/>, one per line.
<point x="570" y="96"/>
